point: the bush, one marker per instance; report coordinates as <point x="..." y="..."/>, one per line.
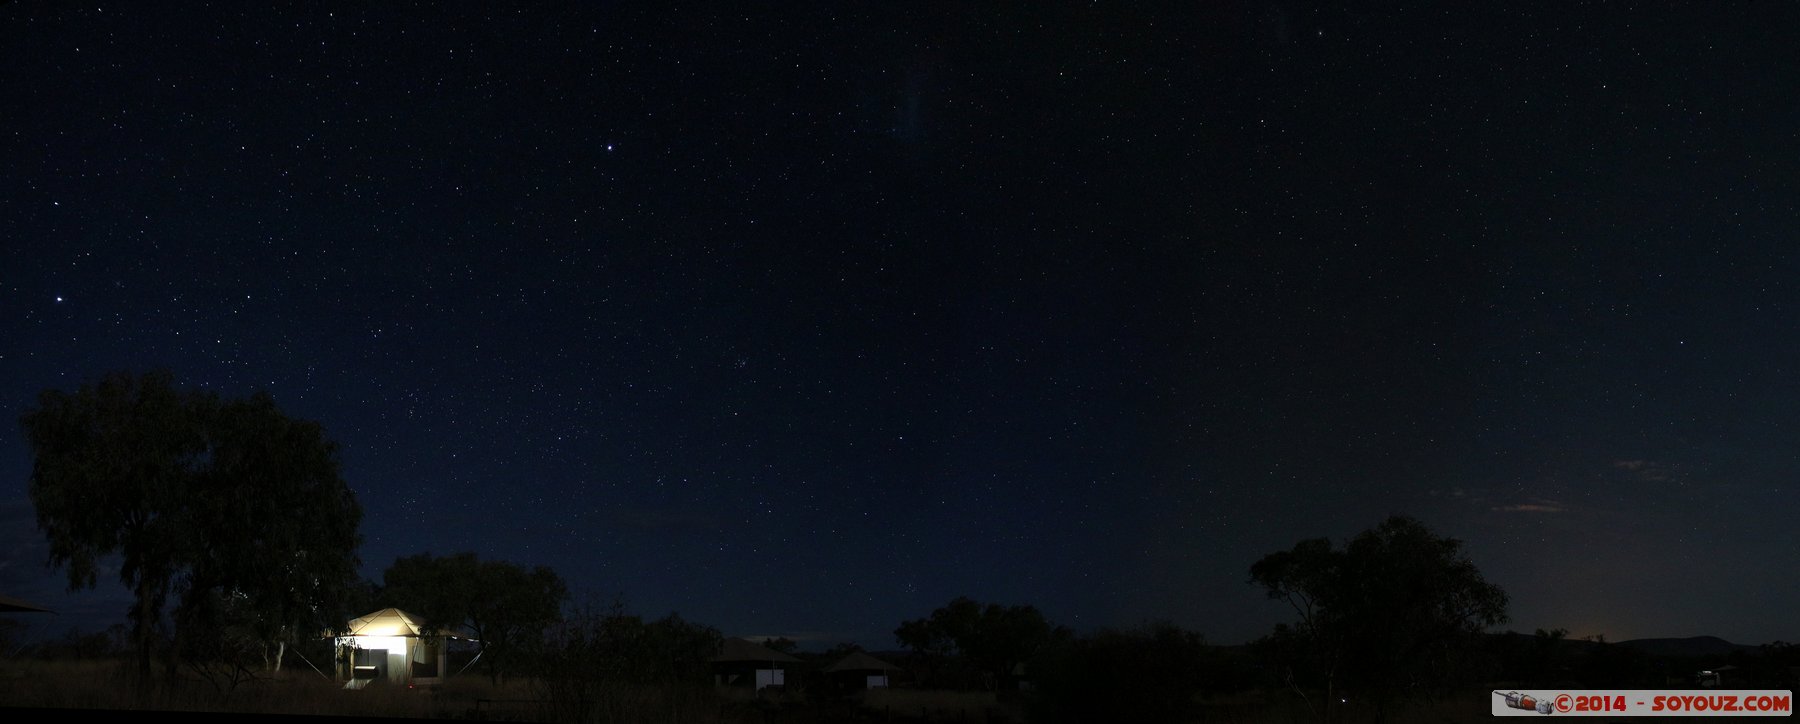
<point x="1151" y="674"/>
<point x="608" y="666"/>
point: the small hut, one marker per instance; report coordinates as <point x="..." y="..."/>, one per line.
<point x="392" y="646"/>
<point x="860" y="671"/>
<point x="742" y="662"/>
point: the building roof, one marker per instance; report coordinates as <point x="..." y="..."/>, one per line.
<point x="391" y="622"/>
<point x="747" y="650"/>
<point x="859" y="661"/>
<point x="9" y="604"/>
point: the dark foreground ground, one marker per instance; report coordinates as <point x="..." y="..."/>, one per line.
<point x="48" y="691"/>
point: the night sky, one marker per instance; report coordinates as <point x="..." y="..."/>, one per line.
<point x="806" y="323"/>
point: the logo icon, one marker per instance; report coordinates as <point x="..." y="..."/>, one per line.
<point x="1528" y="702"/>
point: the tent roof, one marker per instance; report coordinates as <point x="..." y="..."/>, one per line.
<point x="859" y="661"/>
<point x="8" y="604"/>
<point x="747" y="650"/>
<point x="391" y="622"/>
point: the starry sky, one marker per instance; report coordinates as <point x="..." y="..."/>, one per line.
<point x="806" y="323"/>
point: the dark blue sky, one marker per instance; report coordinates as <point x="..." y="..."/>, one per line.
<point x="807" y="323"/>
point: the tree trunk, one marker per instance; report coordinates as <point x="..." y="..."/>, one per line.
<point x="1307" y="700"/>
<point x="143" y="654"/>
<point x="1330" y="693"/>
<point x="142" y="619"/>
<point x="273" y="663"/>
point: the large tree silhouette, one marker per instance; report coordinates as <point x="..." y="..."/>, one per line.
<point x="988" y="640"/>
<point x="1382" y="614"/>
<point x="228" y="504"/>
<point x="505" y="605"/>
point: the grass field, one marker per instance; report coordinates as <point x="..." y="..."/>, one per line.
<point x="104" y="685"/>
<point x="1282" y="708"/>
<point x="108" y="685"/>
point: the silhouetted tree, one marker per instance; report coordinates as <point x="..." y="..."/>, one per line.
<point x="199" y="497"/>
<point x="1150" y="674"/>
<point x="988" y="640"/>
<point x="1608" y="665"/>
<point x="1549" y="657"/>
<point x="1376" y="613"/>
<point x="507" y="607"/>
<point x="76" y="645"/>
<point x="608" y="665"/>
<point x="838" y="651"/>
<point x="281" y="529"/>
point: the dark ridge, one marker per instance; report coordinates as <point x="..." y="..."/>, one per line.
<point x="1692" y="646"/>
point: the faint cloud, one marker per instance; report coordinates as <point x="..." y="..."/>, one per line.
<point x="1646" y="470"/>
<point x="799" y="637"/>
<point x="1536" y="506"/>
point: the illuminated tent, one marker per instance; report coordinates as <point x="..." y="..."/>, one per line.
<point x="393" y="646"/>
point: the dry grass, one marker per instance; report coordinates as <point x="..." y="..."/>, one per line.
<point x="108" y="685"/>
<point x="59" y="684"/>
<point x="972" y="706"/>
<point x="104" y="685"/>
<point x="1257" y="707"/>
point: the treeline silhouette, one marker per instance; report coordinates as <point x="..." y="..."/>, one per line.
<point x="605" y="664"/>
<point x="236" y="536"/>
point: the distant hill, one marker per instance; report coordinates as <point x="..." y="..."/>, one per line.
<point x="1660" y="648"/>
<point x="1695" y="646"/>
